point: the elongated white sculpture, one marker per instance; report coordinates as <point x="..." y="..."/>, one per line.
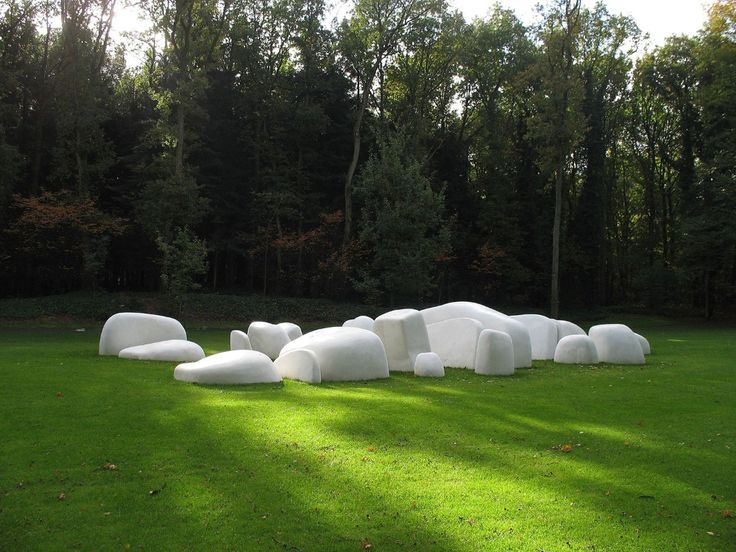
<point x="455" y="341"/>
<point x="429" y="365"/>
<point x="644" y="342"/>
<point x="565" y="328"/>
<point x="364" y="322"/>
<point x="128" y="329"/>
<point x="576" y="349"/>
<point x="239" y="341"/>
<point x="300" y="364"/>
<point x="495" y="354"/>
<point x="171" y="350"/>
<point x="492" y="320"/>
<point x="267" y="338"/>
<point x="543" y="334"/>
<point x="616" y="344"/>
<point x="291" y="329"/>
<point x="404" y="335"/>
<point x="343" y="354"/>
<point x="229" y="368"/>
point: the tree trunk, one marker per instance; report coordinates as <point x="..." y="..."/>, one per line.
<point x="179" y="167"/>
<point x="554" y="297"/>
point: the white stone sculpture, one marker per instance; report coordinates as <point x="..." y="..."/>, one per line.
<point x="576" y="349"/>
<point x="404" y="335"/>
<point x="291" y="329"/>
<point x="128" y="329"/>
<point x="429" y="365"/>
<point x="267" y="338"/>
<point x="455" y="341"/>
<point x="301" y="364"/>
<point x="343" y="354"/>
<point x="616" y="344"/>
<point x="543" y="334"/>
<point x="171" y="350"/>
<point x="492" y="320"/>
<point x="239" y="341"/>
<point x="644" y="342"/>
<point x="364" y="322"/>
<point x="495" y="354"/>
<point x="565" y="328"/>
<point x="229" y="368"/>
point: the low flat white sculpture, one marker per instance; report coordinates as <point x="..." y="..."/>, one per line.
<point x="492" y="320"/>
<point x="617" y="344"/>
<point x="543" y="334"/>
<point x="364" y="322"/>
<point x="229" y="368"/>
<point x="565" y="328"/>
<point x="429" y="365"/>
<point x="343" y="354"/>
<point x="404" y="335"/>
<point x="239" y="341"/>
<point x="291" y="329"/>
<point x="171" y="350"/>
<point x="455" y="341"/>
<point x="644" y="342"/>
<point x="128" y="329"/>
<point x="267" y="338"/>
<point x="495" y="354"/>
<point x="576" y="349"/>
<point x="300" y="364"/>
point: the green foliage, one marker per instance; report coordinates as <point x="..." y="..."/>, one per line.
<point x="183" y="260"/>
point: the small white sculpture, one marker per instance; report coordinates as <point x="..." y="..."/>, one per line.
<point x="229" y="368"/>
<point x="455" y="341"/>
<point x="565" y="328"/>
<point x="239" y="341"/>
<point x="404" y="335"/>
<point x="495" y="354"/>
<point x="576" y="349"/>
<point x="291" y="329"/>
<point x="267" y="338"/>
<point x="364" y="322"/>
<point x="300" y="364"/>
<point x="644" y="342"/>
<point x="616" y="344"/>
<point x="543" y="334"/>
<point x="171" y="350"/>
<point x="429" y="365"/>
<point x="128" y="329"/>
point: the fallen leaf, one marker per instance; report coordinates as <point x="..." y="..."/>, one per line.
<point x="109" y="467"/>
<point x="370" y="449"/>
<point x="154" y="492"/>
<point x="711" y="533"/>
<point x="366" y="544"/>
<point x="61" y="496"/>
<point x="727" y="514"/>
<point x="59" y="394"/>
<point x="567" y="447"/>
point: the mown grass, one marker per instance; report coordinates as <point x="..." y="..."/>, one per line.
<point x="463" y="463"/>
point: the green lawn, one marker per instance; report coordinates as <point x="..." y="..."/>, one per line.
<point x="463" y="463"/>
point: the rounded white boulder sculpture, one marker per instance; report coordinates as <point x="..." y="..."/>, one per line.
<point x="343" y="354"/>
<point x="404" y="335"/>
<point x="565" y="328"/>
<point x="455" y="341"/>
<point x="239" y="341"/>
<point x="363" y="322"/>
<point x="229" y="368"/>
<point x="616" y="344"/>
<point x="291" y="329"/>
<point x="429" y="365"/>
<point x="644" y="342"/>
<point x="267" y="338"/>
<point x="171" y="350"/>
<point x="543" y="334"/>
<point x="495" y="354"/>
<point x="576" y="349"/>
<point x="128" y="329"/>
<point x="300" y="364"/>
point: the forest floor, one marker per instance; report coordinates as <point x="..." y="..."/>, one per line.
<point x="98" y="453"/>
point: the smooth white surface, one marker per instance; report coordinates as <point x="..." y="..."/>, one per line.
<point x="644" y="342"/>
<point x="229" y="368"/>
<point x="576" y="349"/>
<point x="617" y="344"/>
<point x="543" y="334"/>
<point x="128" y="329"/>
<point x="495" y="354"/>
<point x="404" y="335"/>
<point x="565" y="328"/>
<point x="291" y="329"/>
<point x="267" y="338"/>
<point x="343" y="354"/>
<point x="429" y="365"/>
<point x="300" y="364"/>
<point x="364" y="322"/>
<point x="492" y="320"/>
<point x="239" y="341"/>
<point x="171" y="350"/>
<point x="455" y="341"/>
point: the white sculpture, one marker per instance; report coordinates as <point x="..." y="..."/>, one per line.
<point x="576" y="349"/>
<point x="343" y="354"/>
<point x="364" y="322"/>
<point x="300" y="364"/>
<point x="644" y="342"/>
<point x="239" y="341"/>
<point x="495" y="354"/>
<point x="565" y="328"/>
<point x="171" y="350"/>
<point x="543" y="334"/>
<point x="404" y="335"/>
<point x="128" y="329"/>
<point x="455" y="341"/>
<point x="616" y="344"/>
<point x="267" y="338"/>
<point x="291" y="329"/>
<point x="429" y="365"/>
<point x="492" y="320"/>
<point x="229" y="368"/>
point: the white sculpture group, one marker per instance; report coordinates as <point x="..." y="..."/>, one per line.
<point x="460" y="335"/>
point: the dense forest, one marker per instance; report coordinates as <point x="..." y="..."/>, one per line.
<point x="400" y="154"/>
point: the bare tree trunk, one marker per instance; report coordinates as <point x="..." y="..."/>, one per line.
<point x="555" y="285"/>
<point x="179" y="167"/>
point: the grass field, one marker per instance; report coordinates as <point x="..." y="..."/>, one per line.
<point x="106" y="454"/>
